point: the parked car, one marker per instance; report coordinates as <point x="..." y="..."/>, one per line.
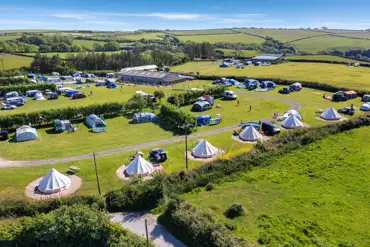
<point x="78" y="96"/>
<point x="53" y="96"/>
<point x="347" y="110"/>
<point x="48" y="92"/>
<point x="8" y="107"/>
<point x="4" y="135"/>
<point x="158" y="155"/>
<point x="230" y="95"/>
<point x="270" y="128"/>
<point x="284" y="90"/>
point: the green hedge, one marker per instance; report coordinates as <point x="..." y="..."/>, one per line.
<point x="191" y="96"/>
<point x="100" y="73"/>
<point x="24" y="88"/>
<point x="19" y="208"/>
<point x="74" y="226"/>
<point x="5" y="81"/>
<point x="12" y="72"/>
<point x="71" y="113"/>
<point x="174" y="116"/>
<point x="261" y="155"/>
<point x="197" y="229"/>
<point x="308" y="84"/>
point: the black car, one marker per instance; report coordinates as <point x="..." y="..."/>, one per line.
<point x="284" y="90"/>
<point x="4" y="135"/>
<point x="53" y="96"/>
<point x="158" y="155"/>
<point x="270" y="128"/>
<point x="347" y="110"/>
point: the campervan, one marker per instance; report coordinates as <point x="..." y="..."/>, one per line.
<point x="230" y="95"/>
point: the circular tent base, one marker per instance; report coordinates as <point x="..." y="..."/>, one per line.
<point x="120" y="172"/>
<point x="32" y="192"/>
<point x="237" y="138"/>
<point x="192" y="157"/>
<point x="304" y="126"/>
<point x="331" y="121"/>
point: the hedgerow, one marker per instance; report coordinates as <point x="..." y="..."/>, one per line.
<point x="191" y="96"/>
<point x="5" y="81"/>
<point x="24" y="88"/>
<point x="174" y="116"/>
<point x="165" y="186"/>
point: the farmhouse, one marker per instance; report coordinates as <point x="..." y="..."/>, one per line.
<point x="268" y="58"/>
<point x="150" y="77"/>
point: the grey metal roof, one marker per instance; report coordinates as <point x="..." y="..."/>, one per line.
<point x="148" y="74"/>
<point x="145" y="67"/>
<point x="267" y="56"/>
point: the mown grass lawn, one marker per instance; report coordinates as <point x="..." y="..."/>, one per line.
<point x="14" y="180"/>
<point x="326" y="182"/>
<point x="87" y="43"/>
<point x="121" y="133"/>
<point x="14" y="62"/>
<point x="333" y="74"/>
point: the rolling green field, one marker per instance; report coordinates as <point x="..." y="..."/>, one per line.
<point x="316" y="44"/>
<point x="339" y="75"/>
<point x="66" y="54"/>
<point x="312" y="195"/>
<point x="283" y="35"/>
<point x="228" y="38"/>
<point x="107" y="166"/>
<point x="5" y="38"/>
<point x="352" y="33"/>
<point x="14" y="62"/>
<point x="242" y="53"/>
<point x="155" y="35"/>
<point x="326" y="58"/>
<point x="200" y="32"/>
<point x="87" y="43"/>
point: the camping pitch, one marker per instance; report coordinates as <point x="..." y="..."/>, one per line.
<point x="139" y="166"/>
<point x="26" y="133"/>
<point x="250" y="134"/>
<point x="292" y="122"/>
<point x="53" y="182"/>
<point x="293" y="112"/>
<point x="204" y="149"/>
<point x="330" y="114"/>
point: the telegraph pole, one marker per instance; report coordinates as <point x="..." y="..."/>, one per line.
<point x="96" y="173"/>
<point x="186" y="127"/>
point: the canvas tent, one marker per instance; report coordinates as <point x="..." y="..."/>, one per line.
<point x="94" y="121"/>
<point x="26" y="133"/>
<point x="250" y="134"/>
<point x="366" y="98"/>
<point x="204" y="149"/>
<point x="144" y="117"/>
<point x="330" y="114"/>
<point x="200" y="106"/>
<point x="39" y="96"/>
<point x="292" y="122"/>
<point x="297" y="114"/>
<point x="139" y="166"/>
<point x="365" y="107"/>
<point x="53" y="182"/>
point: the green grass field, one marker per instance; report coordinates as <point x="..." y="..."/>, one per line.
<point x="326" y="58"/>
<point x="319" y="183"/>
<point x="155" y="35"/>
<point x="5" y="38"/>
<point x="228" y="38"/>
<point x="66" y="54"/>
<point x="242" y="53"/>
<point x="316" y="44"/>
<point x="283" y="35"/>
<point x="14" y="180"/>
<point x="352" y="33"/>
<point x="339" y="75"/>
<point x="204" y="32"/>
<point x="14" y="62"/>
<point x="87" y="43"/>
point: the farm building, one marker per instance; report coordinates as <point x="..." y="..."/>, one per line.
<point x="26" y="133"/>
<point x="141" y="68"/>
<point x="53" y="182"/>
<point x="268" y="58"/>
<point x="149" y="77"/>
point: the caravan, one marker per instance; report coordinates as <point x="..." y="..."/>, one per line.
<point x="17" y="101"/>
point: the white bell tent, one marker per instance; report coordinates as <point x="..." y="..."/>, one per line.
<point x="53" y="182"/>
<point x="292" y="122"/>
<point x="139" y="166"/>
<point x="204" y="149"/>
<point x="250" y="134"/>
<point x="330" y="114"/>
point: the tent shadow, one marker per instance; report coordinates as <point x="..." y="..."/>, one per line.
<point x="51" y="131"/>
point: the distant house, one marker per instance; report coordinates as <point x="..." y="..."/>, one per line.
<point x="267" y="58"/>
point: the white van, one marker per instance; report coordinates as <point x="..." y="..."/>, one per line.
<point x="230" y="95"/>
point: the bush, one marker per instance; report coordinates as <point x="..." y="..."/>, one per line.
<point x="192" y="96"/>
<point x="71" y="113"/>
<point x="175" y="117"/>
<point x="210" y="186"/>
<point x="69" y="226"/>
<point x="235" y="210"/>
<point x="197" y="229"/>
<point x="5" y="81"/>
<point x="12" y="73"/>
<point x="24" y="88"/>
<point x="19" y="208"/>
<point x="261" y="155"/>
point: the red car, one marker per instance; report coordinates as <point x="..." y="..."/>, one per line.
<point x="78" y="96"/>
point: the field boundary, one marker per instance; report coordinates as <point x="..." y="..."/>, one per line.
<point x="309" y="37"/>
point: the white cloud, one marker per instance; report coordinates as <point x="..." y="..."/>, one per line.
<point x="69" y="16"/>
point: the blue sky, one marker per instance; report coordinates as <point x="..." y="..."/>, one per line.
<point x="183" y="14"/>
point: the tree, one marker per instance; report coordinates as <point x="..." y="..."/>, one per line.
<point x="111" y="46"/>
<point x="324" y="28"/>
<point x="98" y="47"/>
<point x="159" y="95"/>
<point x="138" y="102"/>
